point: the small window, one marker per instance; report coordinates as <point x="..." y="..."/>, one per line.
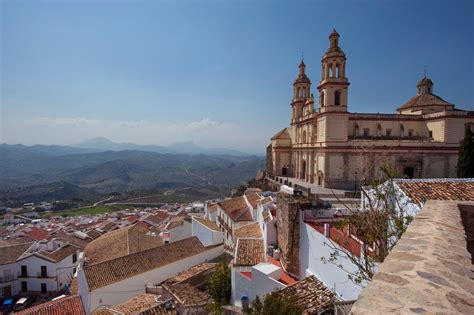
<point x="431" y="133"/>
<point x="24" y="271"/>
<point x="24" y="286"/>
<point x="388" y="132"/>
<point x="337" y="97"/>
<point x="74" y="258"/>
<point x="44" y="271"/>
<point x="44" y="288"/>
<point x="410" y="132"/>
<point x="366" y="132"/>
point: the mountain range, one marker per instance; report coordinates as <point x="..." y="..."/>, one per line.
<point x="187" y="147"/>
<point x="99" y="166"/>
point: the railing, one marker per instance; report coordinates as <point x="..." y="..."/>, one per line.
<point x="30" y="275"/>
<point x="7" y="279"/>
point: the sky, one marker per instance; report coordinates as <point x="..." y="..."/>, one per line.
<point x="218" y="73"/>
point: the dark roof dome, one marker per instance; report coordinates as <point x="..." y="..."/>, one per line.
<point x="425" y="81"/>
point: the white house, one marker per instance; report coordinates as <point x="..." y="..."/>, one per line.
<point x="179" y="228"/>
<point x="114" y="281"/>
<point x="207" y="231"/>
<point x="37" y="267"/>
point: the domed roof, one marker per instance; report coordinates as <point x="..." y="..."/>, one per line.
<point x="425" y="81"/>
<point x="334" y="33"/>
<point x="424" y="100"/>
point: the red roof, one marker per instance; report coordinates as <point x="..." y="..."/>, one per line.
<point x="247" y="274"/>
<point x="284" y="277"/>
<point x="37" y="234"/>
<point x="71" y="305"/>
<point x="132" y="218"/>
<point x="339" y="237"/>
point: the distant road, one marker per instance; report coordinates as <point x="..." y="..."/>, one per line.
<point x="198" y="176"/>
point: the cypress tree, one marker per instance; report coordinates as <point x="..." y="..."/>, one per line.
<point x="465" y="168"/>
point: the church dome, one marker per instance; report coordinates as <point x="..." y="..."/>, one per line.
<point x="424" y="81"/>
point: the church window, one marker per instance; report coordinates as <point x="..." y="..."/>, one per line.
<point x="337" y="97"/>
<point x="304" y="136"/>
<point x="388" y="132"/>
<point x="321" y="99"/>
<point x="330" y="71"/>
<point x="338" y="71"/>
<point x="431" y="133"/>
<point x="402" y="130"/>
<point x="410" y="132"/>
<point x="366" y="132"/>
<point x="356" y="131"/>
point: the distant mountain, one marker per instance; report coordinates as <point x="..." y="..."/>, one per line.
<point x="187" y="147"/>
<point x="57" y="172"/>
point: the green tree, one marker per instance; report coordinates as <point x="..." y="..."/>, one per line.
<point x="277" y="304"/>
<point x="465" y="167"/>
<point x="219" y="284"/>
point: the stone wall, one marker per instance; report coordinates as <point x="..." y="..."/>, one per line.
<point x="429" y="270"/>
<point x="288" y="222"/>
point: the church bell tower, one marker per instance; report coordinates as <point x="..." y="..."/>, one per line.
<point x="301" y="92"/>
<point x="333" y="87"/>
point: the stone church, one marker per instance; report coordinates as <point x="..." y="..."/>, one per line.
<point x="329" y="146"/>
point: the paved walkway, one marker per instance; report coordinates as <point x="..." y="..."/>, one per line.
<point x="315" y="189"/>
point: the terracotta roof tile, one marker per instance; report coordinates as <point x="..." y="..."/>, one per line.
<point x="267" y="217"/>
<point x="190" y="273"/>
<point x="208" y="223"/>
<point x="137" y="304"/>
<point x="157" y="218"/>
<point x="250" y="230"/>
<point x="120" y="243"/>
<point x="9" y="254"/>
<point x="111" y="271"/>
<point x="419" y="190"/>
<point x="71" y="305"/>
<point x="237" y="209"/>
<point x="311" y="294"/>
<point x="249" y="252"/>
<point x="253" y="198"/>
<point x="424" y="100"/>
<point x="70" y="239"/>
<point x="60" y="253"/>
<point x="188" y="295"/>
<point x="37" y="234"/>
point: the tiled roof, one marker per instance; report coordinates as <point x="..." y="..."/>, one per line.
<point x="267" y="217"/>
<point x="107" y="272"/>
<point x="249" y="252"/>
<point x="211" y="208"/>
<point x="253" y="198"/>
<point x="71" y="239"/>
<point x="311" y="294"/>
<point x="208" y="223"/>
<point x="157" y="218"/>
<point x="109" y="226"/>
<point x="190" y="273"/>
<point x="283" y="134"/>
<point x="37" y="234"/>
<point x="71" y="305"/>
<point x="175" y="222"/>
<point x="250" y="230"/>
<point x="60" y="253"/>
<point x="120" y="243"/>
<point x="9" y="254"/>
<point x="237" y="209"/>
<point x="419" y="190"/>
<point x="188" y="295"/>
<point x="424" y="100"/>
<point x="137" y="304"/>
<point x="93" y="234"/>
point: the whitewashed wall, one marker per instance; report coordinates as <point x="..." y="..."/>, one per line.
<point x="181" y="232"/>
<point x="205" y="235"/>
<point x="9" y="271"/>
<point x="241" y="286"/>
<point x="312" y="248"/>
<point x="121" y="291"/>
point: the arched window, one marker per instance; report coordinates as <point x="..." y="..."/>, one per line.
<point x="379" y="130"/>
<point x="337" y="97"/>
<point x="321" y="99"/>
<point x="338" y="72"/>
<point x="330" y="70"/>
<point x="304" y="136"/>
<point x="356" y="130"/>
<point x="402" y="131"/>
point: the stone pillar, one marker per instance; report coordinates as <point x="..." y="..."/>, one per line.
<point x="289" y="214"/>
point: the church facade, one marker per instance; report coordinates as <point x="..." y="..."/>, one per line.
<point x="329" y="146"/>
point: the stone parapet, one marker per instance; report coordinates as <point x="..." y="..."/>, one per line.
<point x="430" y="269"/>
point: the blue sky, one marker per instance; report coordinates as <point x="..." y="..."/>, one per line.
<point x="215" y="72"/>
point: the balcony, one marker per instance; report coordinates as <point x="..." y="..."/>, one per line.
<point x="225" y="225"/>
<point x="32" y="275"/>
<point x="7" y="279"/>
